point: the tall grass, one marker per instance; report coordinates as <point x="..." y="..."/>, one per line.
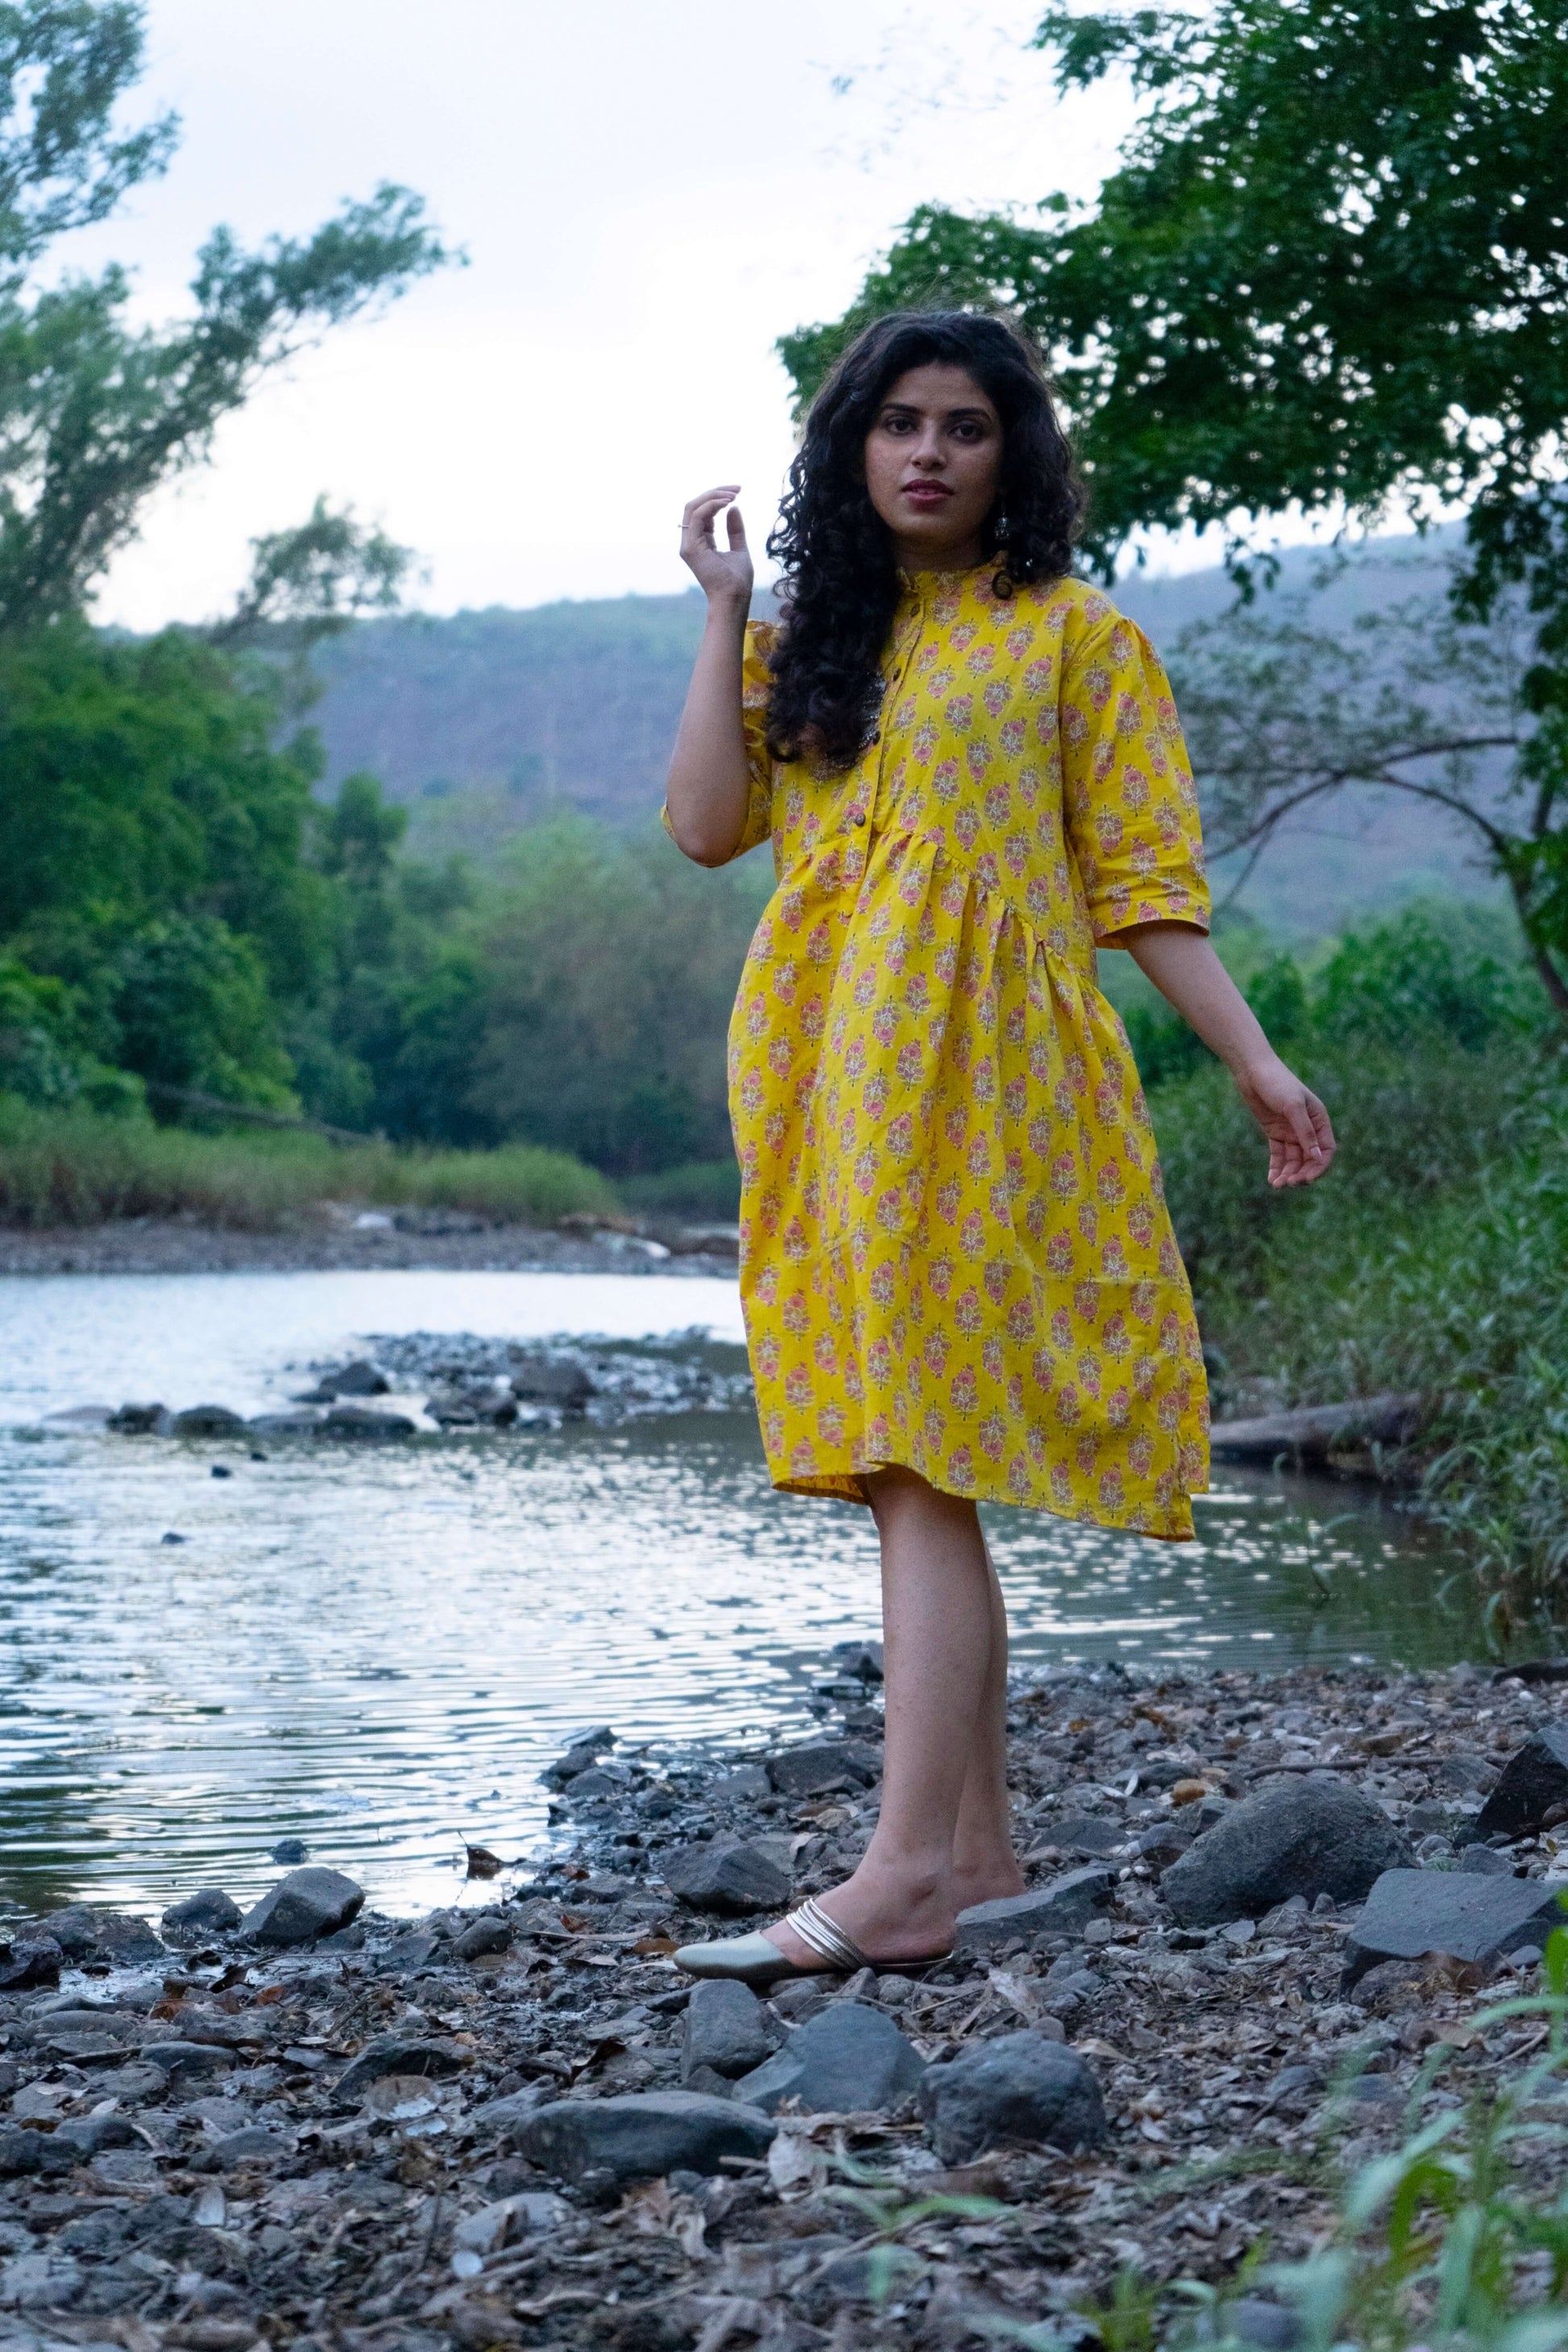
<point x="68" y="1168"/>
<point x="1434" y="1258"/>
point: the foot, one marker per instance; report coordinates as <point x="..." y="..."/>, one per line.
<point x="985" y="1881"/>
<point x="889" y="1920"/>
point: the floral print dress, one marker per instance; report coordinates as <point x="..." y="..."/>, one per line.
<point x="955" y="1251"/>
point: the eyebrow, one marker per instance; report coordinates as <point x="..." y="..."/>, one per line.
<point x="908" y="408"/>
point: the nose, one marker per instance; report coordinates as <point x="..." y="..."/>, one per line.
<point x="928" y="453"/>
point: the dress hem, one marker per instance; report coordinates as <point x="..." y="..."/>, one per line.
<point x="848" y="1487"/>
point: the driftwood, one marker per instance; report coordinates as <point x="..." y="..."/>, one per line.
<point x="1312" y="1432"/>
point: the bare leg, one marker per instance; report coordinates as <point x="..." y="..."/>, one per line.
<point x="946" y="1662"/>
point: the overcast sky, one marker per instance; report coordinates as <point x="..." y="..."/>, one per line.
<point x="647" y="197"/>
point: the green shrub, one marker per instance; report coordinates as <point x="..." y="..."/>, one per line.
<point x="707" y="1192"/>
<point x="68" y="1168"/>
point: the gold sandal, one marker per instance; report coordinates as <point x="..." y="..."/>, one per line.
<point x="753" y="1959"/>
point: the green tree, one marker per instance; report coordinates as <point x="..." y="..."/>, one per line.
<point x="1332" y="271"/>
<point x="95" y="413"/>
<point x="611" y="970"/>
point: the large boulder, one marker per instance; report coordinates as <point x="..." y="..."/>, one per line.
<point x="1020" y="2090"/>
<point x="728" y="1878"/>
<point x="1455" y="1913"/>
<point x="1533" y="1780"/>
<point x="307" y="1903"/>
<point x="1061" y="1907"/>
<point x="29" y="1964"/>
<point x="207" y="1421"/>
<point x="83" y="1932"/>
<point x="726" y="2029"/>
<point x="1311" y="1836"/>
<point x="847" y="2058"/>
<point x="642" y="2135"/>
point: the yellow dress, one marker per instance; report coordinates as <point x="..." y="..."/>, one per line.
<point x="955" y="1251"/>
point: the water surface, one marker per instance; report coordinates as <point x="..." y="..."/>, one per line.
<point x="376" y="1649"/>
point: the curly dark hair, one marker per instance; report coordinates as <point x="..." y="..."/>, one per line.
<point x="840" y="582"/>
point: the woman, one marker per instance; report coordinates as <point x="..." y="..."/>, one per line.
<point x="959" y="1276"/>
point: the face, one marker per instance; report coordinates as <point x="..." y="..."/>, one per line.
<point x="933" y="457"/>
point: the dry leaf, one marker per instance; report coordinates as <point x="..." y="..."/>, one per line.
<point x="655" y="1947"/>
<point x="793" y="2164"/>
<point x="1022" y="1994"/>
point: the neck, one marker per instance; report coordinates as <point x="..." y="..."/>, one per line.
<point x="921" y="555"/>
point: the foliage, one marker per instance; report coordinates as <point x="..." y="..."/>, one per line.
<point x="1457" y="2240"/>
<point x="706" y="1191"/>
<point x="612" y="966"/>
<point x="1431" y="1260"/>
<point x="67" y="1168"/>
<point x="95" y="413"/>
<point x="1327" y="274"/>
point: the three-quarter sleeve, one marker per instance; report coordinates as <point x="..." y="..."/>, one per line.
<point x="756" y="683"/>
<point x="1130" y="809"/>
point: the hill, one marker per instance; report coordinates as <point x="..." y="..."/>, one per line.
<point x="480" y="721"/>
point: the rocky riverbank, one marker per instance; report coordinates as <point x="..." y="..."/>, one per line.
<point x="1256" y="1907"/>
<point x="334" y="1241"/>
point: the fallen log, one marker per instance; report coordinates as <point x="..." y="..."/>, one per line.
<point x="1312" y="1432"/>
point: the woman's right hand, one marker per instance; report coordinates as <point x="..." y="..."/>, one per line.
<point x="723" y="574"/>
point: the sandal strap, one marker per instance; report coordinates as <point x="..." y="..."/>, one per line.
<point x="824" y="1936"/>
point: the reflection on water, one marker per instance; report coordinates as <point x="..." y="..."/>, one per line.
<point x="377" y="1650"/>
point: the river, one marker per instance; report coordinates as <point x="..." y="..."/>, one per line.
<point x="374" y="1649"/>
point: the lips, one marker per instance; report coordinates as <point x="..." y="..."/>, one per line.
<point x="926" y="494"/>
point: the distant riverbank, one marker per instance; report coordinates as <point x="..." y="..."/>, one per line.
<point x="433" y="1244"/>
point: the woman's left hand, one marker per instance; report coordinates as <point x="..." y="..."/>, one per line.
<point x="1300" y="1134"/>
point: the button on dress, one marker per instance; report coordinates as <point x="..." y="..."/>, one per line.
<point x="955" y="1253"/>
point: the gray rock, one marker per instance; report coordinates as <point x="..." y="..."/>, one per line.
<point x="83" y="1932"/>
<point x="1533" y="1780"/>
<point x="1484" y="1862"/>
<point x="307" y="1903"/>
<point x="399" y="2053"/>
<point x="1061" y="1907"/>
<point x="1269" y="2326"/>
<point x="544" y="1382"/>
<point x="1310" y="1836"/>
<point x="209" y="1912"/>
<point x="75" y="1930"/>
<point x="365" y="1422"/>
<point x="489" y="1933"/>
<point x="847" y="2058"/>
<point x="473" y="1407"/>
<point x="1092" y="1834"/>
<point x="251" y="2144"/>
<point x="1164" y="1843"/>
<point x="32" y="1961"/>
<point x="728" y="1879"/>
<point x="24" y="2150"/>
<point x="90" y="2134"/>
<point x="726" y="2030"/>
<point x="140" y="1420"/>
<point x="598" y="1780"/>
<point x="188" y="2059"/>
<point x="863" y="1660"/>
<point x="359" y="1378"/>
<point x="290" y="1851"/>
<point x="1451" y="1912"/>
<point x="1465" y="1774"/>
<point x="642" y="2134"/>
<point x="206" y="1420"/>
<point x="283" y="1425"/>
<point x="747" y="1785"/>
<point x="1018" y="2090"/>
<point x="584" y="1753"/>
<point x="826" y="1765"/>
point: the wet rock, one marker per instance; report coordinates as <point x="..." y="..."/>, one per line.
<point x="1312" y="1836"/>
<point x="307" y="1903"/>
<point x="84" y="1932"/>
<point x="140" y="1420"/>
<point x="748" y="1786"/>
<point x="598" y="1780"/>
<point x="861" y="1661"/>
<point x="1061" y="1907"/>
<point x="364" y="1423"/>
<point x="31" y="1961"/>
<point x="360" y="1379"/>
<point x="726" y="2030"/>
<point x="209" y="1912"/>
<point x="845" y="2058"/>
<point x="1533" y="1780"/>
<point x="399" y="2053"/>
<point x="730" y="1880"/>
<point x="1020" y="2090"/>
<point x="206" y="1420"/>
<point x="544" y="1381"/>
<point x="473" y="1408"/>
<point x="288" y="1850"/>
<point x="489" y="1933"/>
<point x="583" y="1754"/>
<point x="1451" y="1913"/>
<point x="823" y="1767"/>
<point x="284" y="1425"/>
<point x="643" y="2134"/>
